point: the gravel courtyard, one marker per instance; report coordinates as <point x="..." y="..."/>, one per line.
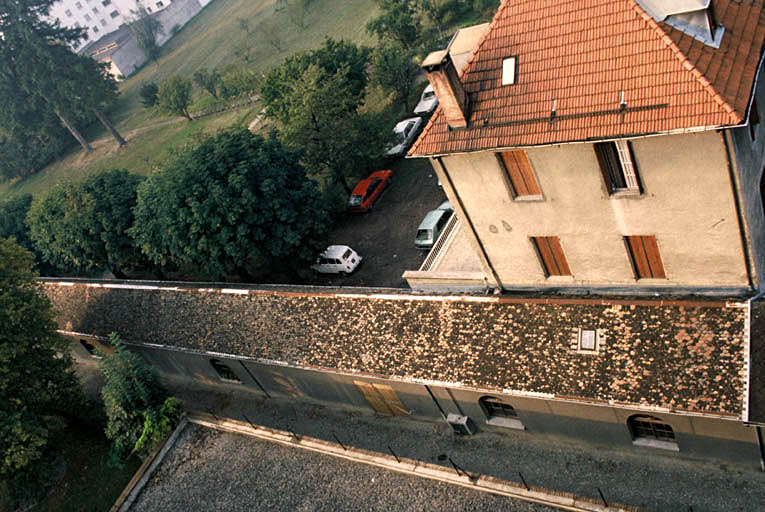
<point x="213" y="470"/>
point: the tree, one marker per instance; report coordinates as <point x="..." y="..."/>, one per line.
<point x="276" y="91"/>
<point x="13" y="213"/>
<point x="36" y="376"/>
<point x="174" y="96"/>
<point x="235" y="200"/>
<point x="237" y="80"/>
<point x="325" y="125"/>
<point x="139" y="411"/>
<point x="33" y="49"/>
<point x="208" y="80"/>
<point x="398" y="20"/>
<point x="145" y="28"/>
<point x="148" y="92"/>
<point x="393" y="68"/>
<point x="83" y="226"/>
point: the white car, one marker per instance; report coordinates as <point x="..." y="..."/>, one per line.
<point x="337" y="259"/>
<point x="428" y="102"/>
<point x="405" y="131"/>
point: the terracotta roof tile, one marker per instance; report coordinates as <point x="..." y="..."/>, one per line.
<point x="582" y="55"/>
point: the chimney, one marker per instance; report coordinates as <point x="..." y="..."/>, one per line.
<point x="442" y="75"/>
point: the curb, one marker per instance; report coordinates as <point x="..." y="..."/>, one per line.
<point x="141" y="477"/>
<point x="484" y="483"/>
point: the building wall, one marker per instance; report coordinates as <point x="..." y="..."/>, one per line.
<point x="687" y="204"/>
<point x="101" y="17"/>
<point x="541" y="419"/>
<point x="749" y="153"/>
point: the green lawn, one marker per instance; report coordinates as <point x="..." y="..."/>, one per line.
<point x="209" y="40"/>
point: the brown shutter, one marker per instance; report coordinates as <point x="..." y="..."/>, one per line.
<point x="551" y="253"/>
<point x="646" y="259"/>
<point x="518" y="168"/>
<point x="653" y="256"/>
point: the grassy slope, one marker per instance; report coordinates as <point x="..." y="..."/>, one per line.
<point x="209" y="40"/>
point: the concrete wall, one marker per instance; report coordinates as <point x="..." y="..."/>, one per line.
<point x="749" y="159"/>
<point x="688" y="204"/>
<point x="542" y="419"/>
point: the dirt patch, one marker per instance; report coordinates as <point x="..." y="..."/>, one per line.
<point x="384" y="237"/>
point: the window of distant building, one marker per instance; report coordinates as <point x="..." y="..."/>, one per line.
<point x="78" y="5"/>
<point x="499" y="413"/>
<point x="160" y="5"/>
<point x="95" y="10"/>
<point x="68" y="13"/>
<point x="519" y="174"/>
<point x="114" y="14"/>
<point x="551" y="255"/>
<point x="106" y="2"/>
<point x="651" y="431"/>
<point x="103" y="22"/>
<point x="644" y="255"/>
<point x="618" y="167"/>
<point x="95" y="29"/>
<point x="87" y="17"/>
<point x="224" y="371"/>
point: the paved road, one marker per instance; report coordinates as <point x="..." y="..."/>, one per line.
<point x="654" y="480"/>
<point x="212" y="470"/>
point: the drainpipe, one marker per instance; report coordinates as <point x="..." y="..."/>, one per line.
<point x="762" y="450"/>
<point x="483" y="256"/>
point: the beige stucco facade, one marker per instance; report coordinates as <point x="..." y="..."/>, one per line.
<point x="687" y="203"/>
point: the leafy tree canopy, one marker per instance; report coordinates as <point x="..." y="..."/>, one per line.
<point x="83" y="226"/>
<point x="235" y="199"/>
<point x="146" y="28"/>
<point x="36" y="377"/>
<point x="139" y="411"/>
<point x="174" y="96"/>
<point x="332" y="56"/>
<point x="208" y="80"/>
<point x="393" y="68"/>
<point x="148" y="92"/>
<point x="398" y="20"/>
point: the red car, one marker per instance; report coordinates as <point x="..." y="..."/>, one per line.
<point x="368" y="191"/>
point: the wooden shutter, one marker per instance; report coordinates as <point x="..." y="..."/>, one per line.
<point x="518" y="168"/>
<point x="551" y="254"/>
<point x="646" y="259"/>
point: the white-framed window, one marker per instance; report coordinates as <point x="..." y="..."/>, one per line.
<point x="618" y="166"/>
<point x="588" y="340"/>
<point x="508" y="70"/>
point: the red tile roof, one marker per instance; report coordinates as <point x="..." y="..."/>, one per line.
<point x="580" y="55"/>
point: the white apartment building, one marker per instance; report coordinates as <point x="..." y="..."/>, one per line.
<point x="101" y="17"/>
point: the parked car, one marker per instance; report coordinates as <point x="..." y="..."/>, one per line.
<point x="406" y="131"/>
<point x="431" y="226"/>
<point x="369" y="190"/>
<point x="428" y="102"/>
<point x="337" y="259"/>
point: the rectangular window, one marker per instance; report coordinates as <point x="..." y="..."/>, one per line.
<point x="95" y="10"/>
<point x="508" y="71"/>
<point x="518" y="170"/>
<point x="114" y="14"/>
<point x="78" y="5"/>
<point x="68" y="13"/>
<point x="551" y="255"/>
<point x="645" y="257"/>
<point x="754" y="119"/>
<point x="160" y="5"/>
<point x="106" y="2"/>
<point x="87" y="17"/>
<point x="95" y="29"/>
<point x="103" y="22"/>
<point x="618" y="166"/>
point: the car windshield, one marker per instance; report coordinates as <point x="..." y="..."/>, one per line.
<point x="347" y="254"/>
<point x="354" y="201"/>
<point x="428" y="95"/>
<point x="423" y="234"/>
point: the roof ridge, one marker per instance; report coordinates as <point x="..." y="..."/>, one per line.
<point x="687" y="64"/>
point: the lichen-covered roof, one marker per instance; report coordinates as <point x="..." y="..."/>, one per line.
<point x="581" y="58"/>
<point x="683" y="356"/>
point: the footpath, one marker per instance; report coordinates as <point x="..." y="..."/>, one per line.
<point x="650" y="480"/>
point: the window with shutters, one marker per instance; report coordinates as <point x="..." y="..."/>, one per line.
<point x="645" y="257"/>
<point x="520" y="176"/>
<point x="551" y="255"/>
<point x="618" y="167"/>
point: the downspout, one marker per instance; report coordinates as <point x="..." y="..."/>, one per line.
<point x="738" y="201"/>
<point x="483" y="254"/>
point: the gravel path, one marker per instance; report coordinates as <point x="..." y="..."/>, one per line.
<point x="213" y="470"/>
<point x="641" y="478"/>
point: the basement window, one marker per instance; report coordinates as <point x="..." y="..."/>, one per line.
<point x="90" y="349"/>
<point x="499" y="413"/>
<point x="509" y="70"/>
<point x="224" y="371"/>
<point x="652" y="432"/>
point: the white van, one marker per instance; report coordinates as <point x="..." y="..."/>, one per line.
<point x="337" y="259"/>
<point x="432" y="225"/>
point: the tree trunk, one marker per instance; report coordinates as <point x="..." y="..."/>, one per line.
<point x="109" y="126"/>
<point x="76" y="134"/>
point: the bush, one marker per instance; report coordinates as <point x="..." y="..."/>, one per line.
<point x="148" y="94"/>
